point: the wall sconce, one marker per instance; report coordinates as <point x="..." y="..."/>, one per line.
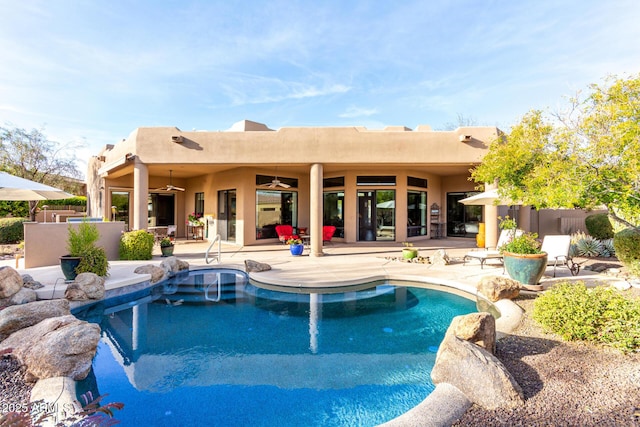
<point x="179" y="139"/>
<point x="465" y="138"/>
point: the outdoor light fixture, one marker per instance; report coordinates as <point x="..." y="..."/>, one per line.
<point x="465" y="138"/>
<point x="179" y="139"/>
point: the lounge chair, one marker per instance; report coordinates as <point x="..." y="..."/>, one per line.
<point x="557" y="248"/>
<point x="492" y="253"/>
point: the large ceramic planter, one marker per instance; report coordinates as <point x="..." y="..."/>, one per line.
<point x="68" y="265"/>
<point x="296" y="250"/>
<point x="526" y="269"/>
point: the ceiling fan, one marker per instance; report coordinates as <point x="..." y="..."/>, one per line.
<point x="275" y="182"/>
<point x="170" y="186"/>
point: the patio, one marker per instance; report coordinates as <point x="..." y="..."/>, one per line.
<point x="343" y="263"/>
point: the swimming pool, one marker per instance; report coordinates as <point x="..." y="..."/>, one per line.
<point x="210" y="348"/>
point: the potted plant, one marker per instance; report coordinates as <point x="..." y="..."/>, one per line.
<point x="166" y="246"/>
<point x="194" y="219"/>
<point x="523" y="259"/>
<point x="409" y="252"/>
<point x="295" y="245"/>
<point x="84" y="256"/>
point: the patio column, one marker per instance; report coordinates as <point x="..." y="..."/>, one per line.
<point x="315" y="209"/>
<point x="491" y="221"/>
<point x="140" y="195"/>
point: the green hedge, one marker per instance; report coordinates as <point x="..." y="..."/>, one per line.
<point x="11" y="230"/>
<point x="627" y="246"/>
<point x="599" y="226"/>
<point x="600" y="315"/>
<point x="136" y="245"/>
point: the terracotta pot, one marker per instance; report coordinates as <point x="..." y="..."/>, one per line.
<point x="525" y="268"/>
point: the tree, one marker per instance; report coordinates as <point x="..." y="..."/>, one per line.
<point x="32" y="156"/>
<point x="586" y="157"/>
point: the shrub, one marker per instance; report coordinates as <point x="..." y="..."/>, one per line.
<point x="81" y="242"/>
<point x="599" y="226"/>
<point x="12" y="230"/>
<point x="627" y="246"/>
<point x="82" y="239"/>
<point x="523" y="244"/>
<point x="94" y="260"/>
<point x="136" y="245"/>
<point x="601" y="315"/>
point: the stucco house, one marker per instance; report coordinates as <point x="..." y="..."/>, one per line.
<point x="395" y="184"/>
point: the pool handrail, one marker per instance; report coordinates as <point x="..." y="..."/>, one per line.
<point x="216" y="256"/>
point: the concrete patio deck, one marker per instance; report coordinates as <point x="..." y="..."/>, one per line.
<point x="342" y="264"/>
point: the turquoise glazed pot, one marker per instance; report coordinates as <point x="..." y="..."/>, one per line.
<point x="68" y="265"/>
<point x="296" y="249"/>
<point x="526" y="269"/>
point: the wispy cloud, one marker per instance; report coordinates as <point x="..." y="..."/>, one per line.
<point x="353" y="112"/>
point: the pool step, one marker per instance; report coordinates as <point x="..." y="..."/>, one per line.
<point x="204" y="293"/>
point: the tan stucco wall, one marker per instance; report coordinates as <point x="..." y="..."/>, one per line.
<point x="44" y="244"/>
<point x="328" y="145"/>
<point x="215" y="161"/>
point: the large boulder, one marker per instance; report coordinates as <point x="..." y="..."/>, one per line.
<point x="10" y="282"/>
<point x="29" y="282"/>
<point x="251" y="266"/>
<point x="23" y="296"/>
<point x="84" y="287"/>
<point x="478" y="328"/>
<point x="173" y="265"/>
<point x="477" y="373"/>
<point x="157" y="273"/>
<point x="18" y="317"/>
<point x="496" y="288"/>
<point x="56" y="347"/>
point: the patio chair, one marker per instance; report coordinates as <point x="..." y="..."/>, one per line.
<point x="483" y="255"/>
<point x="327" y="233"/>
<point x="284" y="231"/>
<point x="557" y="248"/>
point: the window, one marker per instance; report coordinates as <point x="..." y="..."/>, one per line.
<point x="416" y="213"/>
<point x="333" y="202"/>
<point x="199" y="205"/>
<point x="333" y="182"/>
<point x="376" y="180"/>
<point x="416" y="182"/>
<point x="120" y="207"/>
<point x="273" y="208"/>
<point x="265" y="180"/>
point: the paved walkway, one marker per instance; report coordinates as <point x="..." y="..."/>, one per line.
<point x="342" y="264"/>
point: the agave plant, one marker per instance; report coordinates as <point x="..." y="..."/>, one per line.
<point x="588" y="247"/>
<point x="607" y="248"/>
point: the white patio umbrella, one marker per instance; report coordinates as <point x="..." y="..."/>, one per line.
<point x="20" y="189"/>
<point x="489" y="197"/>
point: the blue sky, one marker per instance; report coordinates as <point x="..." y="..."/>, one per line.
<point x="93" y="71"/>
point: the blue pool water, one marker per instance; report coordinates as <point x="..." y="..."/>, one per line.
<point x="212" y="349"/>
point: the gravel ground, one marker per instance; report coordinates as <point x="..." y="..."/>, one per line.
<point x="14" y="392"/>
<point x="564" y="384"/>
